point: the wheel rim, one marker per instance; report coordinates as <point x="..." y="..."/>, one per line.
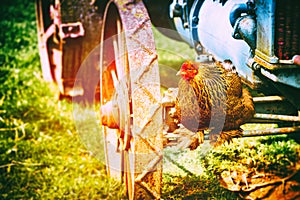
<point x="138" y="123"/>
<point x="118" y="72"/>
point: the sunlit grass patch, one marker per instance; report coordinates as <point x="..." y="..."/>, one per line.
<point x="42" y="155"/>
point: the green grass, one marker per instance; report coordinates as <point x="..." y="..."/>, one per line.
<point x="41" y="156"/>
<point x="196" y="174"/>
<point x="171" y="53"/>
<point x="44" y="155"/>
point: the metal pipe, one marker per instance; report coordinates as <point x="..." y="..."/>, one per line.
<point x="273" y="131"/>
<point x="245" y="28"/>
<point x="267" y="99"/>
<point x="277" y="117"/>
<point x="266" y="132"/>
<point x="236" y="12"/>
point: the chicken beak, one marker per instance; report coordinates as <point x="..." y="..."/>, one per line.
<point x="180" y="73"/>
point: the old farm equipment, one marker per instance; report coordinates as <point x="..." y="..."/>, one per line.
<point x="67" y="32"/>
<point x="260" y="37"/>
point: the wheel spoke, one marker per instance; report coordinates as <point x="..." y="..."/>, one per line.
<point x="122" y="49"/>
<point x="114" y="78"/>
<point x="133" y="105"/>
<point x="128" y="174"/>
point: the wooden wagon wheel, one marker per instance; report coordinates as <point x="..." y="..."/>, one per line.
<point x="131" y="112"/>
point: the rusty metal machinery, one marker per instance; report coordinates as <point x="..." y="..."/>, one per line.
<point x="259" y="37"/>
<point x="130" y="99"/>
<point x="67" y="32"/>
<point x="129" y="88"/>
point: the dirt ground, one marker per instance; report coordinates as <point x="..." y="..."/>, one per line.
<point x="263" y="185"/>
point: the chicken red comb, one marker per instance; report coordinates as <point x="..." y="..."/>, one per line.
<point x="188" y="70"/>
<point x="186" y="64"/>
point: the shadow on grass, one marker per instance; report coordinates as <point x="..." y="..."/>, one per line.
<point x="194" y="187"/>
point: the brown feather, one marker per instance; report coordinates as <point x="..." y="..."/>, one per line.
<point x="214" y="99"/>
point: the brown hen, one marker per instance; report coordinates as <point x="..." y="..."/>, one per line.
<point x="211" y="97"/>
